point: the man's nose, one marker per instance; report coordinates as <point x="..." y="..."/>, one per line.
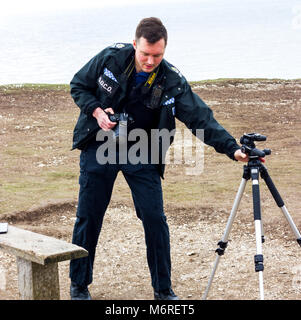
<point x="150" y="60"/>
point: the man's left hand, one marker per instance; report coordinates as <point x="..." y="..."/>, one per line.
<point x="240" y="156"/>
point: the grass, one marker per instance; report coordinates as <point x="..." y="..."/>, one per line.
<point x="221" y="81"/>
<point x="37" y="165"/>
<point x="31" y="190"/>
<point x="35" y="86"/>
<point x="66" y="87"/>
<point x="68" y="175"/>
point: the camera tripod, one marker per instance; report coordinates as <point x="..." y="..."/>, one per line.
<point x="251" y="171"/>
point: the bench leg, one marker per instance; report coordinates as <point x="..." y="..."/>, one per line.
<point x="38" y="282"/>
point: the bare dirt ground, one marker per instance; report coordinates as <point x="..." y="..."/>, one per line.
<point x="39" y="192"/>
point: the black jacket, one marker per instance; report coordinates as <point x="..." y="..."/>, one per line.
<point x="102" y="83"/>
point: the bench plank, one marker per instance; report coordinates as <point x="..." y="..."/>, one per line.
<point x="38" y="248"/>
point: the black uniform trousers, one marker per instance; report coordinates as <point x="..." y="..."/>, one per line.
<point x="96" y="184"/>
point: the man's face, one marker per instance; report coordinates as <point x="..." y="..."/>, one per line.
<point x="148" y="56"/>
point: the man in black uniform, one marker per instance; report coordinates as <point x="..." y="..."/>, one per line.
<point x="136" y="80"/>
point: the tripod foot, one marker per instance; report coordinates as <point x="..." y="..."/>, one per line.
<point x="299" y="241"/>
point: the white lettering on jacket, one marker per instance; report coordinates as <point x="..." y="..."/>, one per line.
<point x="105" y="85"/>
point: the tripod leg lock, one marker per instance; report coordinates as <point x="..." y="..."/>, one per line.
<point x="222" y="246"/>
<point x="258" y="259"/>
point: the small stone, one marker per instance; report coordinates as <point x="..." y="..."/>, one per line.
<point x="192" y="253"/>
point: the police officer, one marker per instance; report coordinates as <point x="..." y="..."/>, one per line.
<point x="136" y="80"/>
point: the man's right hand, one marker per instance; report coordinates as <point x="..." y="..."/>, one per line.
<point x="103" y="119"/>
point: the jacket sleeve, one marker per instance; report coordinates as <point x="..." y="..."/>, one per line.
<point x="195" y="114"/>
<point x="84" y="84"/>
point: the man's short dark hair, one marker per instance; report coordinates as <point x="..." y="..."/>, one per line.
<point x="152" y="29"/>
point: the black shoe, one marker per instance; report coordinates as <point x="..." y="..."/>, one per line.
<point x="79" y="292"/>
<point x="167" y="294"/>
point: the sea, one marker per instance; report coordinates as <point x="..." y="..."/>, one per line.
<point x="207" y="39"/>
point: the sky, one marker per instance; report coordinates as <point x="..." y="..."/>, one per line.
<point x="13" y="7"/>
<point x="219" y="38"/>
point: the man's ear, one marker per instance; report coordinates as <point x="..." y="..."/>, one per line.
<point x="134" y="44"/>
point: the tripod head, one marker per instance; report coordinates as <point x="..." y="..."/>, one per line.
<point x="248" y="145"/>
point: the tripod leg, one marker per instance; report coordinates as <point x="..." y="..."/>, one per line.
<point x="265" y="175"/>
<point x="258" y="258"/>
<point x="262" y="233"/>
<point x="223" y="243"/>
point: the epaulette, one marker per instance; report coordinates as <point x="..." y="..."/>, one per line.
<point x="118" y="45"/>
<point x="173" y="68"/>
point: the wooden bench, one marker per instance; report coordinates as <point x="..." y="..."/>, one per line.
<point x="37" y="261"/>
